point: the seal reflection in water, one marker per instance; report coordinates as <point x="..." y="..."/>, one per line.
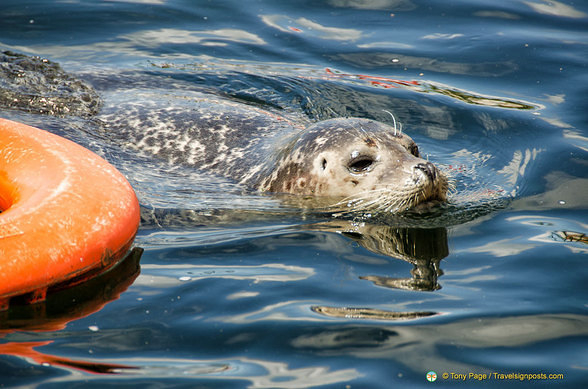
<point x="371" y="165"/>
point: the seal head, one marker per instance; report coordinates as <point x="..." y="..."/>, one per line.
<point x="371" y="165"/>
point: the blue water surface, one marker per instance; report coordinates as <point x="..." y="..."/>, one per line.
<point x="247" y="290"/>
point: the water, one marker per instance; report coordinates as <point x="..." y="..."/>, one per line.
<point x="241" y="290"/>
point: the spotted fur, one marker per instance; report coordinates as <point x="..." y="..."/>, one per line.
<point x="368" y="164"/>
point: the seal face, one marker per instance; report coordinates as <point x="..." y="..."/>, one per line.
<point x="368" y="163"/>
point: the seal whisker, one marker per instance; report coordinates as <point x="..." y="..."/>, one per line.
<point x="361" y="196"/>
<point x="359" y="128"/>
<point x="394" y="120"/>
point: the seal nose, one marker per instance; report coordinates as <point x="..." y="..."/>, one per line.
<point x="428" y="168"/>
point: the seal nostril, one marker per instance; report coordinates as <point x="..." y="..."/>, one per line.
<point x="324" y="163"/>
<point x="428" y="168"/>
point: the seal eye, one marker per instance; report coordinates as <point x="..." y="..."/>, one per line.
<point x="360" y="164"/>
<point x="414" y="150"/>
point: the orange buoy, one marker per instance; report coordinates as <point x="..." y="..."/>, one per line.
<point x="67" y="214"/>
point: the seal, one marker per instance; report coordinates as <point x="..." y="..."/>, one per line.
<point x="357" y="164"/>
<point x="363" y="164"/>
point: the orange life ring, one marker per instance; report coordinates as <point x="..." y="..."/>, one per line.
<point x="67" y="214"/>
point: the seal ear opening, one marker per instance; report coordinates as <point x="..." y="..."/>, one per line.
<point x="324" y="163"/>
